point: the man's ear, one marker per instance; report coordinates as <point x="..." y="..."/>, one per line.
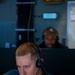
<point x="42" y="60"/>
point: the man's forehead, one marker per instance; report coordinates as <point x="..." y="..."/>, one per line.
<point x="24" y="60"/>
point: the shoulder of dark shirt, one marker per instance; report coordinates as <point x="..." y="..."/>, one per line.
<point x="49" y="73"/>
<point x="12" y="72"/>
<point x="59" y="45"/>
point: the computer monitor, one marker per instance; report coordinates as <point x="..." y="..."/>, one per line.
<point x="59" y="61"/>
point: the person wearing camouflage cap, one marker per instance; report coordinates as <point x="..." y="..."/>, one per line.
<point x="51" y="39"/>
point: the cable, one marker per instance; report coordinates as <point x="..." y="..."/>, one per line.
<point x="29" y="21"/>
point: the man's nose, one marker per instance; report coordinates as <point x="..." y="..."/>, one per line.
<point x="22" y="71"/>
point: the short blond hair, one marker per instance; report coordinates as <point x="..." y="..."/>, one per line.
<point x="28" y="47"/>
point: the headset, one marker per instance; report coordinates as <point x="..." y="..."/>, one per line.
<point x="50" y="30"/>
<point x="38" y="62"/>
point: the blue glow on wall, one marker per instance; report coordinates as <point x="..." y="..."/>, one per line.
<point x="49" y="15"/>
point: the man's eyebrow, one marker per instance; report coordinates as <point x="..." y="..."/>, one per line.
<point x="26" y="66"/>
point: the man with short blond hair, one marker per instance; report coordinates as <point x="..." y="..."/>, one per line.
<point x="29" y="61"/>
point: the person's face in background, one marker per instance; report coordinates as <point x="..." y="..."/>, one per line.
<point x="49" y="41"/>
<point x="26" y="65"/>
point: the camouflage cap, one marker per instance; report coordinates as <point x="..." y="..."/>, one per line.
<point x="50" y="31"/>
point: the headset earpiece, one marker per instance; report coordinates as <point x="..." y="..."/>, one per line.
<point x="57" y="38"/>
<point x="38" y="63"/>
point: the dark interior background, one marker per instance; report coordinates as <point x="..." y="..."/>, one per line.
<point x="14" y="15"/>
